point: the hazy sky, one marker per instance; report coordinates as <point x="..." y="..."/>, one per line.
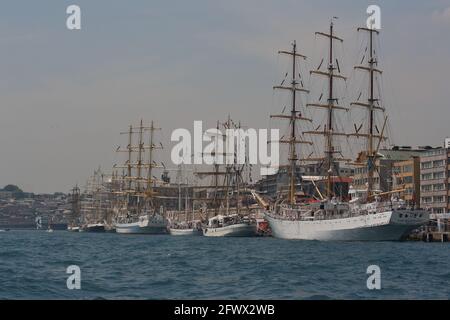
<point x="66" y="95"/>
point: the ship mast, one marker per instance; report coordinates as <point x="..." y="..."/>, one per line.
<point x="370" y="152"/>
<point x="151" y="163"/>
<point x="230" y="173"/>
<point x="330" y="151"/>
<point x="293" y="118"/>
<point x="75" y="202"/>
<point x="139" y="164"/>
<point x="372" y="105"/>
<point x="136" y="191"/>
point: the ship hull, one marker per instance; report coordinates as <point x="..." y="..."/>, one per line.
<point x="384" y="226"/>
<point x="137" y="228"/>
<point x="185" y="232"/>
<point x="95" y="228"/>
<point x="234" y="230"/>
<point x="73" y="229"/>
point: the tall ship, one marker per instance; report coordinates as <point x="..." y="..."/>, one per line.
<point x="93" y="204"/>
<point x="184" y="221"/>
<point x="370" y="215"/>
<point x="135" y="209"/>
<point x="222" y="200"/>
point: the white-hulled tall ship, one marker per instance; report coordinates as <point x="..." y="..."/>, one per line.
<point x="367" y="218"/>
<point x="136" y="212"/>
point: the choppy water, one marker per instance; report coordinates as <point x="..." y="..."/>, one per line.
<point x="33" y="265"/>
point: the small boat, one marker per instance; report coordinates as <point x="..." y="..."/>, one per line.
<point x="186" y="229"/>
<point x="153" y="224"/>
<point x="94" y="227"/>
<point x="230" y="226"/>
<point x="73" y="228"/>
<point x="185" y="232"/>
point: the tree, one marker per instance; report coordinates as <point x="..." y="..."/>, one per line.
<point x="17" y="193"/>
<point x="12" y="188"/>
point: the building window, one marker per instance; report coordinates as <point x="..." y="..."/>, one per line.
<point x="438" y="199"/>
<point x="407" y="169"/>
<point x="426" y="188"/>
<point x="438" y="175"/>
<point x="438" y="163"/>
<point x="427" y="200"/>
<point x="427" y="165"/>
<point x="427" y="176"/>
<point x="436" y="152"/>
<point x="408" y="179"/>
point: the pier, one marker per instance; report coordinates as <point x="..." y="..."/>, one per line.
<point x="435" y="236"/>
<point x="438" y="229"/>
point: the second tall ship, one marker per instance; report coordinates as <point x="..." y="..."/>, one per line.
<point x="370" y="215"/>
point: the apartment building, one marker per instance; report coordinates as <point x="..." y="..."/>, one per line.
<point x="384" y="177"/>
<point x="406" y="178"/>
<point x="435" y="181"/>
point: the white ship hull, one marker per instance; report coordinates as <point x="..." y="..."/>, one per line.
<point x="185" y="232"/>
<point x="142" y="227"/>
<point x="234" y="230"/>
<point x="384" y="226"/>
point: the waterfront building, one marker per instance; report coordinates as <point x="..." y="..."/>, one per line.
<point x="383" y="177"/>
<point x="435" y="179"/>
<point x="311" y="177"/>
<point x="406" y="178"/>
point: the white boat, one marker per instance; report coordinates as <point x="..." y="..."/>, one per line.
<point x="229" y="226"/>
<point x="73" y="229"/>
<point x="186" y="229"/>
<point x="376" y="221"/>
<point x="185" y="232"/>
<point x="146" y="224"/>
